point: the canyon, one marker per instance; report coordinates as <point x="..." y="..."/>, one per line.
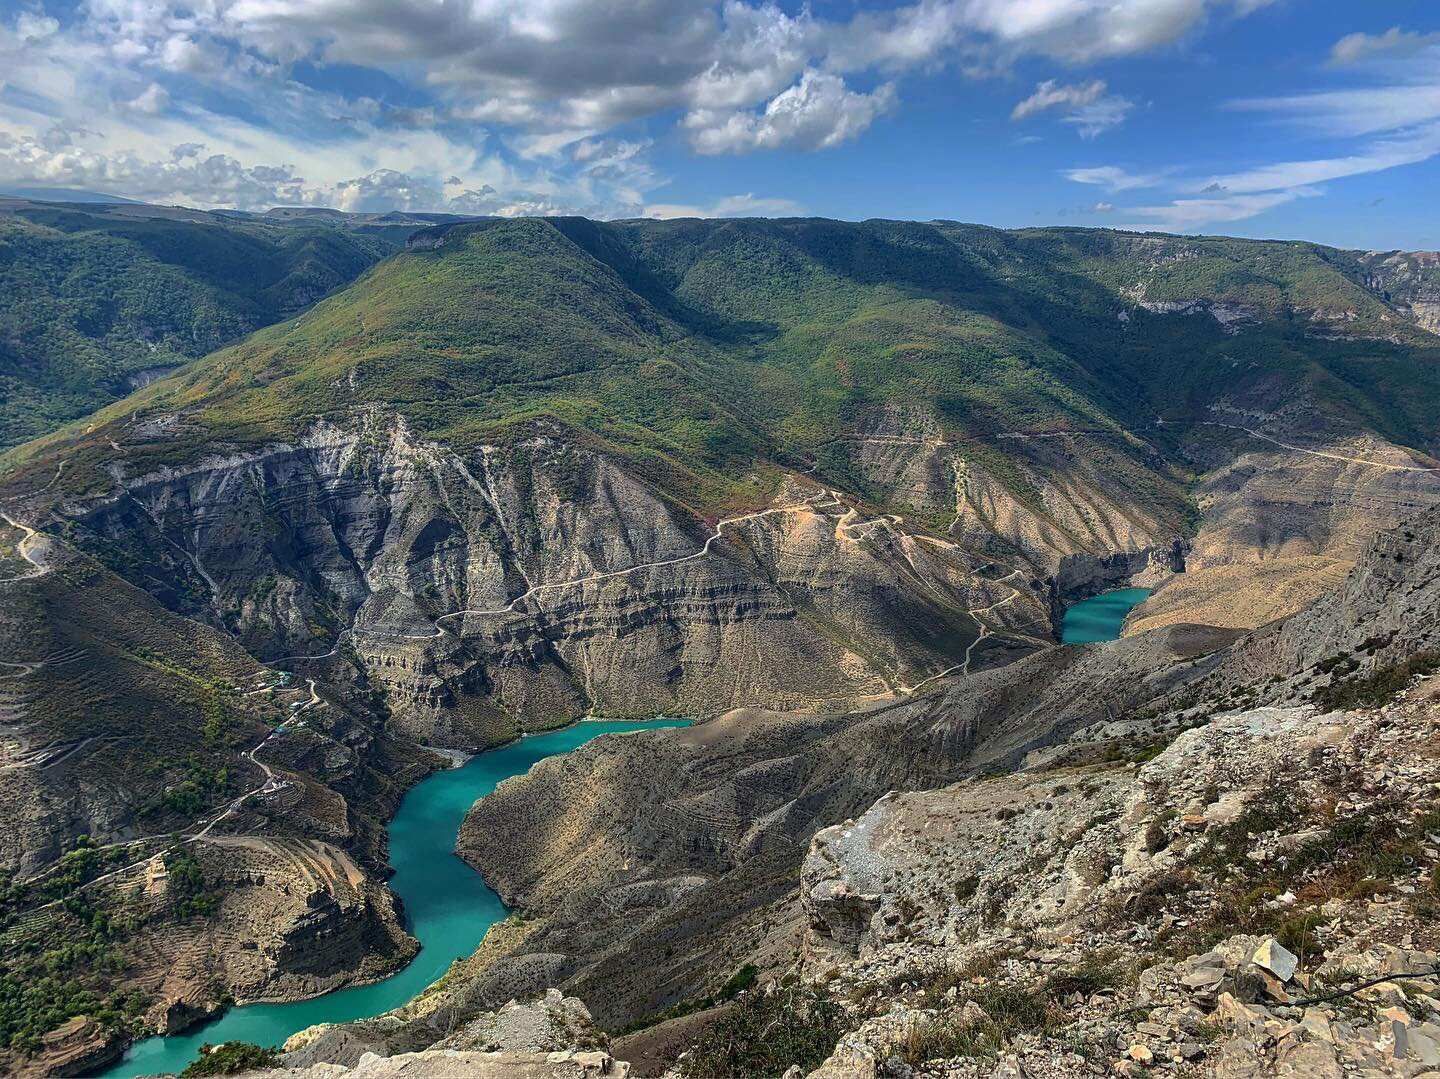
<point x="826" y="489"/>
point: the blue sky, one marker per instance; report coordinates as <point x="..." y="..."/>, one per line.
<point x="1315" y="119"/>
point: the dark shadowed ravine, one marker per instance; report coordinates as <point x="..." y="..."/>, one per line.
<point x="447" y="905"/>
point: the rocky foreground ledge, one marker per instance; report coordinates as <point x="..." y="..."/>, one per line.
<point x="1262" y="898"/>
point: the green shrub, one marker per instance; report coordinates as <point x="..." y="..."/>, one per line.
<point x="188" y="892"/>
<point x="230" y="1059"/>
<point x="766" y="1033"/>
<point x="1009" y="1009"/>
<point x="1378" y="687"/>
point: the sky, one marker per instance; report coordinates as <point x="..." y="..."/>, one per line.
<point x="1308" y="119"/>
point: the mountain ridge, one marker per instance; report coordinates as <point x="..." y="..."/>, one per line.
<point x="812" y="476"/>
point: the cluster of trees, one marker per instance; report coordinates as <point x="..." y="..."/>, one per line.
<point x="88" y="297"/>
<point x="60" y="967"/>
<point x="56" y="964"/>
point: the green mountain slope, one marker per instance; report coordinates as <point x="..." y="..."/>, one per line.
<point x="95" y="299"/>
<point x="699" y="350"/>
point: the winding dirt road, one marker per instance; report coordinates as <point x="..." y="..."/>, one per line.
<point x="1317" y="453"/>
<point x="23" y="550"/>
<point x="272" y="782"/>
<point x="818" y="502"/>
<point x="847" y="526"/>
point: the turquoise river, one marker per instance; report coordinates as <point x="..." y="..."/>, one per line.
<point x="1100" y="618"/>
<point x="447" y="905"/>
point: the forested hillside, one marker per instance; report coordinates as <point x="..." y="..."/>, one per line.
<point x="698" y="349"/>
<point x="95" y="300"/>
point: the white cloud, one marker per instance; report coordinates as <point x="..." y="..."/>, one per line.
<point x="729" y="206"/>
<point x="1051" y="94"/>
<point x="154" y="99"/>
<point x="498" y="95"/>
<point x="1348" y="113"/>
<point x="1113" y="178"/>
<point x="209" y="179"/>
<point x="1189" y="214"/>
<point x="818" y="112"/>
<point x="1405" y="91"/>
<point x="579" y="64"/>
<point x="32" y="28"/>
<point x="1399" y="118"/>
<point x="1086" y="106"/>
<point x="1099" y="116"/>
<point x="1354" y="48"/>
<point x="1086" y="30"/>
<point x="1392" y="123"/>
<point x="1414" y="147"/>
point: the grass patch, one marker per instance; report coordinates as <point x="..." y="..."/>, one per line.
<point x="741" y="981"/>
<point x="766" y="1033"/>
<point x="1010" y="1010"/>
<point x="1355" y="855"/>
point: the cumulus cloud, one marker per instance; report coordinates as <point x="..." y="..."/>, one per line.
<point x="1354" y="48"/>
<point x="818" y="112"/>
<point x="577" y="64"/>
<point x="1086" y="30"/>
<point x="186" y="175"/>
<point x="1086" y="106"/>
<point x="192" y="175"/>
<point x="519" y="103"/>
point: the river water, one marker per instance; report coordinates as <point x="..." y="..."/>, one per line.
<point x="447" y="905"/>
<point x="1100" y="618"/>
<point x="448" y="908"/>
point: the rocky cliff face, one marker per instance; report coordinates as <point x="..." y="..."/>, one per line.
<point x="1382" y="616"/>
<point x="290" y="918"/>
<point x="1109" y="919"/>
<point x="867" y="597"/>
<point x="653" y="865"/>
<point x="522" y="587"/>
<point x="1283" y="517"/>
<point x="126" y="726"/>
<point x="1410" y="281"/>
<point x="1057" y="501"/>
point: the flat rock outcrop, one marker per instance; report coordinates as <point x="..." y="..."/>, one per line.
<point x="551" y="1035"/>
<point x="446" y="1063"/>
